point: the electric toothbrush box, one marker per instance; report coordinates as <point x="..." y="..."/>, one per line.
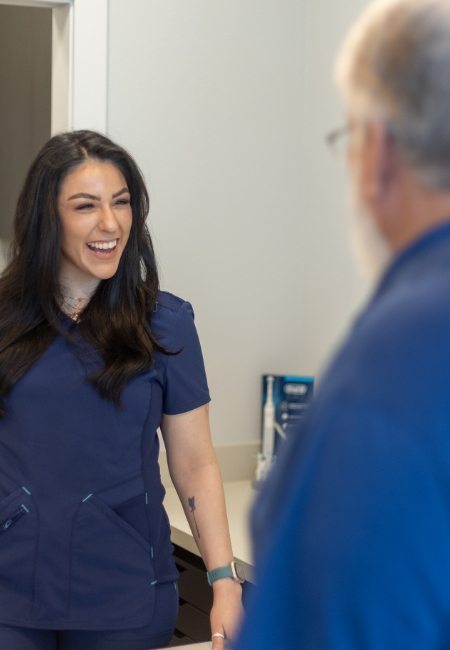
<point x="290" y="396"/>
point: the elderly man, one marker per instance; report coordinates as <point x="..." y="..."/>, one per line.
<point x="352" y="530"/>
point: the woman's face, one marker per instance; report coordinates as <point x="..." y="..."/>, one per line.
<point x="95" y="212"/>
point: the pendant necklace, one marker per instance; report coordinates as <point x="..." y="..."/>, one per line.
<point x="73" y="307"/>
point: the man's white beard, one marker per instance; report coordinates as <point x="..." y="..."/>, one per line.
<point x="370" y="249"/>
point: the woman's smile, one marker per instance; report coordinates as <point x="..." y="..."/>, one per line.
<point x="103" y="248"/>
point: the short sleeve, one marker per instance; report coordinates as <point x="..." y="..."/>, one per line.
<point x="186" y="386"/>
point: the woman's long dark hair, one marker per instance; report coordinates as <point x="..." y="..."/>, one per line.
<point x="116" y="320"/>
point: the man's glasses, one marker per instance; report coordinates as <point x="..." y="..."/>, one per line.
<point x="334" y="137"/>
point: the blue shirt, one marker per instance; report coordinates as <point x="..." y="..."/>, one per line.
<point x="352" y="530"/>
<point x="84" y="537"/>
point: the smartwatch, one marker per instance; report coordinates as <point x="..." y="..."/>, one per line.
<point x="234" y="570"/>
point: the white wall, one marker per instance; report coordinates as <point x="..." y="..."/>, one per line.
<point x="207" y="97"/>
<point x="225" y="104"/>
<point x="332" y="288"/>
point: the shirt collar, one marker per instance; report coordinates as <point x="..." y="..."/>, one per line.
<point x="416" y="249"/>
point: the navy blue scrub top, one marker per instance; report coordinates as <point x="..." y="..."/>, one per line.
<point x="84" y="538"/>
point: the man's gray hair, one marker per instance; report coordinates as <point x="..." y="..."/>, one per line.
<point x="395" y="67"/>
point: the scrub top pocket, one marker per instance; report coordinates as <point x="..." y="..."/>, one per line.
<point x="111" y="567"/>
<point x="18" y="545"/>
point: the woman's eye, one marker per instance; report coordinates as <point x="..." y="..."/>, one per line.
<point x="84" y="206"/>
<point x="123" y="202"/>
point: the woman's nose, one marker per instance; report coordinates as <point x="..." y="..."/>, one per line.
<point x="108" y="220"/>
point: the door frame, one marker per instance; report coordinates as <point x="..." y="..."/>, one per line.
<point x="79" y="62"/>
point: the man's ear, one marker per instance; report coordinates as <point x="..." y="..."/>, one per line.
<point x="379" y="164"/>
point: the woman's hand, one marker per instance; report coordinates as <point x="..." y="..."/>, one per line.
<point x="226" y="612"/>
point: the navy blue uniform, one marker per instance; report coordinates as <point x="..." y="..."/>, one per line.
<point x="352" y="530"/>
<point x="84" y="538"/>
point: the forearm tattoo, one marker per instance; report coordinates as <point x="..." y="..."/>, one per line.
<point x="193" y="507"/>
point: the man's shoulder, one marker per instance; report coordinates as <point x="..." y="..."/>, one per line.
<point x="400" y="342"/>
<point x="413" y="313"/>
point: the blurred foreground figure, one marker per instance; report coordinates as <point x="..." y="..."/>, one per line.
<point x="352" y="530"/>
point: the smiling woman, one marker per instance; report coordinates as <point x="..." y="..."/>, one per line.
<point x="110" y="293"/>
<point x="93" y="359"/>
<point x="95" y="211"/>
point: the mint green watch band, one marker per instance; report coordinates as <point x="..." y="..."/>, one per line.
<point x="219" y="573"/>
<point x="232" y="570"/>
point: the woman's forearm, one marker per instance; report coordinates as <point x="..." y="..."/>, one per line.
<point x="196" y="476"/>
<point x="201" y="493"/>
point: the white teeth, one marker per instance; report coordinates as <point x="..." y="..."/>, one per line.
<point x="103" y="245"/>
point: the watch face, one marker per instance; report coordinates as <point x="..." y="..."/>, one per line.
<point x="239" y="571"/>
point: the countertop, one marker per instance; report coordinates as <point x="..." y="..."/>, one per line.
<point x="239" y="497"/>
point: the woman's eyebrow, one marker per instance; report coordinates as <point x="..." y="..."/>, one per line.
<point x="92" y="197"/>
<point x="83" y="195"/>
<point x="124" y="190"/>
